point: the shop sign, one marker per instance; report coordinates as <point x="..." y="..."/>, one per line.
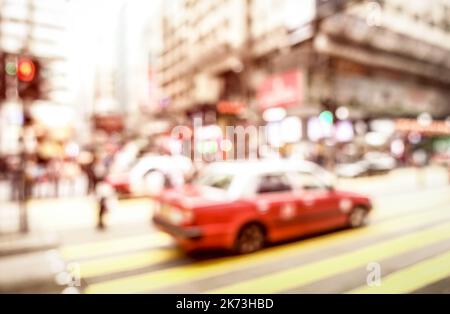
<point x="281" y="90"/>
<point x="412" y="125"/>
<point x="388" y="96"/>
<point x="230" y="107"/>
<point x="109" y="123"/>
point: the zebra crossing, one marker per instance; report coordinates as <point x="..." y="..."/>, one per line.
<point x="408" y="239"/>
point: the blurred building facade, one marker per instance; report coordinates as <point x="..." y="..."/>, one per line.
<point x="379" y="58"/>
<point x="390" y="56"/>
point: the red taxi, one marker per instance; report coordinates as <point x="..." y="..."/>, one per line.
<point x="242" y="206"/>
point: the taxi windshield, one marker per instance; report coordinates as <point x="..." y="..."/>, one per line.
<point x="215" y="180"/>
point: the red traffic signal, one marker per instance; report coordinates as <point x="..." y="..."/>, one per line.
<point x="29" y="78"/>
<point x="26" y="70"/>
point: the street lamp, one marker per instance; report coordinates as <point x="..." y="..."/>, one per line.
<point x="342" y="113"/>
<point x="425" y="119"/>
<point x="326" y="117"/>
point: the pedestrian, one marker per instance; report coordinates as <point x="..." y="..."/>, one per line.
<point x="106" y="200"/>
<point x="87" y="163"/>
<point x="103" y="209"/>
<point x="16" y="175"/>
<point x="92" y="176"/>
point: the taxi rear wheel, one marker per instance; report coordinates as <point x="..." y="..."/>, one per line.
<point x="358" y="217"/>
<point x="250" y="239"/>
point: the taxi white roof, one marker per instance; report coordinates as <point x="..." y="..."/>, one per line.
<point x="258" y="167"/>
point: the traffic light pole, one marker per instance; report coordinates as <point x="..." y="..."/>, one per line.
<point x="27" y="87"/>
<point x="23" y="197"/>
<point x="23" y="194"/>
<point x="24" y="182"/>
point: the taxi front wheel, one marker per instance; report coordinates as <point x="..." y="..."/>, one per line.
<point x="358" y="217"/>
<point x="250" y="239"/>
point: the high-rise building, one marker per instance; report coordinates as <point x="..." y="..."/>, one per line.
<point x="372" y="56"/>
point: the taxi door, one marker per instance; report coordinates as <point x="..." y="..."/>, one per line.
<point x="317" y="205"/>
<point x="278" y="206"/>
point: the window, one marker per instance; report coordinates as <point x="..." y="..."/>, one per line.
<point x="307" y="181"/>
<point x="215" y="180"/>
<point x="274" y="183"/>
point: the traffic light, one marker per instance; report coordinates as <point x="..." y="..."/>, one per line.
<point x="29" y="79"/>
<point x="326" y="117"/>
<point x="328" y="114"/>
<point x="26" y="70"/>
<point x="2" y="77"/>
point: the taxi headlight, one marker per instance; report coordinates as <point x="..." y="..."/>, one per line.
<point x="181" y="217"/>
<point x="176" y="217"/>
<point x="188" y="216"/>
<point x="157" y="208"/>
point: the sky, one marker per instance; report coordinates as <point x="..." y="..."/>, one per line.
<point x="94" y="28"/>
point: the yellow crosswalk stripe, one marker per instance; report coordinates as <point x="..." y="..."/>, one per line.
<point x="176" y="275"/>
<point x="312" y="272"/>
<point x="108" y="247"/>
<point x="412" y="278"/>
<point x="123" y="263"/>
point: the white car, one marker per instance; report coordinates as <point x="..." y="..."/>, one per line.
<point x="372" y="162"/>
<point x="352" y="170"/>
<point x="377" y="161"/>
<point x="151" y="174"/>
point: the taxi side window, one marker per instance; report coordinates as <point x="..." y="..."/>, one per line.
<point x="306" y="181"/>
<point x="274" y="183"/>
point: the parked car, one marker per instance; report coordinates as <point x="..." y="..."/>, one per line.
<point x="151" y="174"/>
<point x="242" y="206"/>
<point x="352" y="169"/>
<point x="371" y="163"/>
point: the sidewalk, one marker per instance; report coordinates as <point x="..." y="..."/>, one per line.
<point x="32" y="263"/>
<point x="15" y="243"/>
<point x="28" y="263"/>
<point x="56" y="221"/>
<point x="31" y="273"/>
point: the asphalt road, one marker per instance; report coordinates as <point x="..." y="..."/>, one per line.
<point x="405" y="249"/>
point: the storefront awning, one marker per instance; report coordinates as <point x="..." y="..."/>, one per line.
<point x="435" y="128"/>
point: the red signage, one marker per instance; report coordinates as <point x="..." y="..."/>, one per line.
<point x="230" y="107"/>
<point x="109" y="123"/>
<point x="26" y="70"/>
<point x="412" y="125"/>
<point x="281" y="90"/>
